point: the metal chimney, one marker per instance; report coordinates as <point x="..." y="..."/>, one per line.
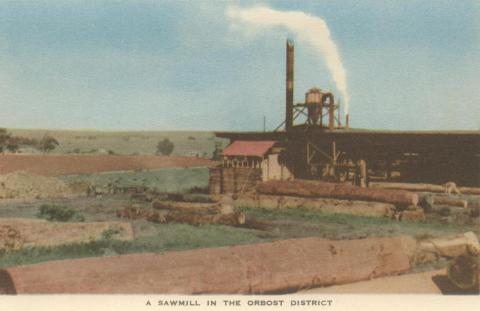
<point x="289" y="87"/>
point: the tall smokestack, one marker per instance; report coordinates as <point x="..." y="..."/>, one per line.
<point x="347" y="121"/>
<point x="289" y="87"/>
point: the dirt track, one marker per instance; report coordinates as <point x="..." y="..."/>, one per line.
<point x="58" y="165"/>
<point x="431" y="282"/>
<point x="416" y="283"/>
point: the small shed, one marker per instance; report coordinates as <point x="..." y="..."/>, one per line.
<point x="244" y="163"/>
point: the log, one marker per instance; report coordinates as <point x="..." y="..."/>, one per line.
<point x="420" y="187"/>
<point x="407" y="186"/>
<point x="331" y="206"/>
<point x="469" y="190"/>
<point x="464" y="272"/>
<point x="412" y="215"/>
<point x="444" y="210"/>
<point x="192" y="218"/>
<point x="308" y="188"/>
<point x="275" y="267"/>
<point x="449" y="201"/>
<point x="231" y="219"/>
<point x="451" y="246"/>
<point x="188" y="207"/>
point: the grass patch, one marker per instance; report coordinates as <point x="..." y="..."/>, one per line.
<point x="62" y="213"/>
<point x="167" y="237"/>
<point x="163" y="180"/>
<point x="298" y="222"/>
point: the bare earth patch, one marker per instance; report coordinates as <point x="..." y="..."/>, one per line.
<point x="58" y="165"/>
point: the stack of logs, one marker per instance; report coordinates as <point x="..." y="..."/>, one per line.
<point x="233" y="179"/>
<point x="445" y="200"/>
<point x="403" y="205"/>
<point x="406" y="203"/>
<point x="184" y="212"/>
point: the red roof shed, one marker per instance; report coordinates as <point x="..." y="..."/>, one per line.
<point x="249" y="148"/>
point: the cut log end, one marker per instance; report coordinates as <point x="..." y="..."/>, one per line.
<point x="7" y="287"/>
<point x="464" y="271"/>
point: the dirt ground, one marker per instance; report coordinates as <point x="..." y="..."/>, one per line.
<point x="16" y="233"/>
<point x="58" y="165"/>
<point x="430" y="282"/>
<point x="415" y="283"/>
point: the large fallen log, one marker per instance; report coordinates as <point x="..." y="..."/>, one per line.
<point x="17" y="233"/>
<point x="451" y="246"/>
<point x="231" y="219"/>
<point x="307" y="188"/>
<point x="420" y="187"/>
<point x="444" y="210"/>
<point x="188" y="217"/>
<point x="188" y="207"/>
<point x="407" y="186"/>
<point x="276" y="267"/>
<point x="411" y="215"/>
<point x="469" y="190"/>
<point x="332" y="206"/>
<point x="449" y="201"/>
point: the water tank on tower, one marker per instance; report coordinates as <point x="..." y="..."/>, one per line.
<point x="313" y="100"/>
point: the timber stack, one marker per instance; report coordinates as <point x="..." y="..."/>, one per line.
<point x="421" y="187"/>
<point x="309" y="188"/>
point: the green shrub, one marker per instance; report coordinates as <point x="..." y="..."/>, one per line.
<point x="109" y="233"/>
<point x="62" y="213"/>
<point x="198" y="190"/>
<point x="165" y="147"/>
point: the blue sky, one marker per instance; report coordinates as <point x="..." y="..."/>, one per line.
<point x="179" y="65"/>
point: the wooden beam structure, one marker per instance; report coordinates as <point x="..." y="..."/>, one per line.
<point x="404" y="156"/>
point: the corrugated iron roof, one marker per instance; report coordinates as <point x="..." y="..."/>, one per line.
<point x="248" y="148"/>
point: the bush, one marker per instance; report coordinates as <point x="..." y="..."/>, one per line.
<point x="165" y="147"/>
<point x="217" y="153"/>
<point x="13" y="144"/>
<point x="61" y="213"/>
<point x="108" y="234"/>
<point x="47" y="143"/>
<point x="197" y="189"/>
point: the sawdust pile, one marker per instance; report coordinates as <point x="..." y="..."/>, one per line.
<point x="17" y="233"/>
<point x="23" y="185"/>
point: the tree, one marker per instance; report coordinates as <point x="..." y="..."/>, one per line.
<point x="47" y="143"/>
<point x="13" y="144"/>
<point x="165" y="147"/>
<point x="4" y="138"/>
<point x="217" y="153"/>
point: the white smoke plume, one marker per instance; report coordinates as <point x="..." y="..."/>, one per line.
<point x="311" y="29"/>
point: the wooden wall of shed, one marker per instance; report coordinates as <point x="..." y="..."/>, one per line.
<point x="233" y="180"/>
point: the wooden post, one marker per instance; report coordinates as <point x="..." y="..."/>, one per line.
<point x="363" y="173"/>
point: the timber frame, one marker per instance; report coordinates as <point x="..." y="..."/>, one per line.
<point x="361" y="155"/>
